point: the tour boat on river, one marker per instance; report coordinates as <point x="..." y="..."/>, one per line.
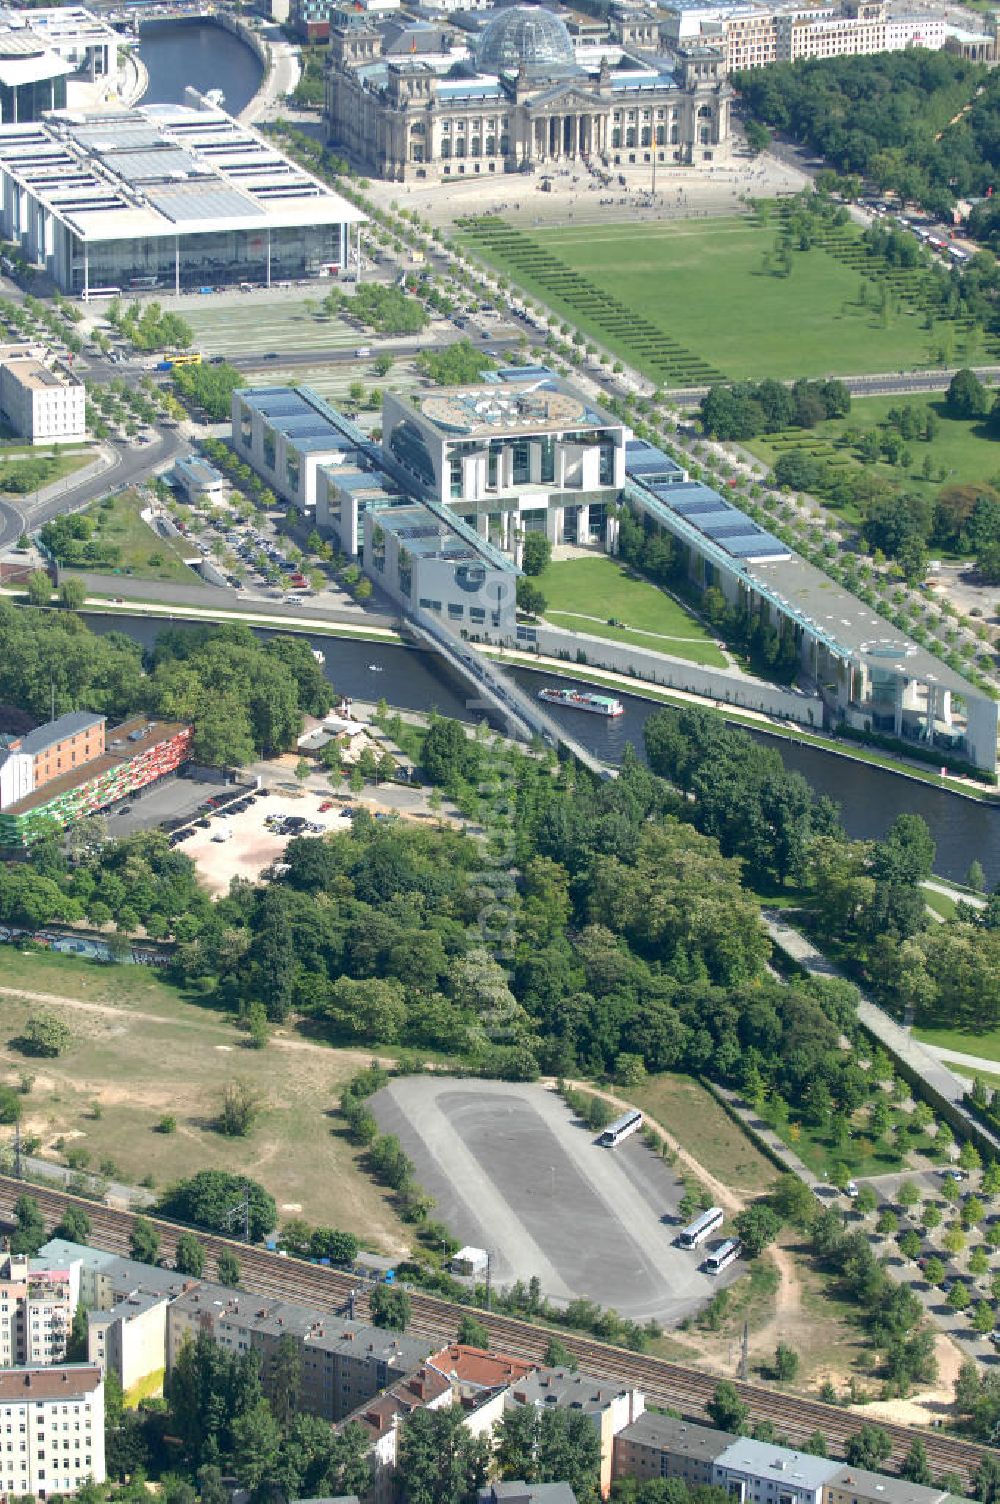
<point x="574" y="699"/>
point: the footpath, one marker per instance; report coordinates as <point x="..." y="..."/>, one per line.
<point x="916" y="1059"/>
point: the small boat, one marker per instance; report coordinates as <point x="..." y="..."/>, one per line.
<point x="374" y="668"/>
<point x="320" y="657"/>
<point x="574" y="699"/>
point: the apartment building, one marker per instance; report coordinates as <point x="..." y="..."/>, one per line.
<point x="609" y="1407"/>
<point x="657" y="1446"/>
<point x="479" y="1382"/>
<point x="754" y="35"/>
<point x="343" y="1364"/>
<point x="51" y="1429"/>
<point x="36" y="1311"/>
<point x="513" y="1491"/>
<point x="28" y="763"/>
<point x="857" y="1485"/>
<point x="41" y="398"/>
<point x="757" y="1472"/>
<point x="753" y="1472"/>
<point x="126" y="1304"/>
<point x="425" y="1389"/>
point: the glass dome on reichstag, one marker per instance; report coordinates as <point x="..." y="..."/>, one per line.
<point x="527" y="34"/>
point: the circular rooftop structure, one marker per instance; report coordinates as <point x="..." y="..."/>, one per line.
<point x="528" y="36"/>
<point x="482" y="410"/>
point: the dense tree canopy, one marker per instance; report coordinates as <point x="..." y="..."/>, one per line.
<point x="244" y="696"/>
<point x="886" y="118"/>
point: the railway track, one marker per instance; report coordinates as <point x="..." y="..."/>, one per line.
<point x="664" y="1383"/>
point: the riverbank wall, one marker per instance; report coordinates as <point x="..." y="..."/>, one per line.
<point x="726" y="686"/>
<point x="261" y="50"/>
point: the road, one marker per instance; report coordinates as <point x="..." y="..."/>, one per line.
<point x="177" y="593"/>
<point x="127" y="466"/>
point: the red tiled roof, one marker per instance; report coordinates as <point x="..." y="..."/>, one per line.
<point x="474" y="1365"/>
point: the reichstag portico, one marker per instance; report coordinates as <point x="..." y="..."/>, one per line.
<point x="520" y="101"/>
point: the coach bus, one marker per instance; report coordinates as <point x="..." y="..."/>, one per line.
<point x="620" y="1128"/>
<point x="92" y="294"/>
<point x="720" y="1258"/>
<point x="702" y="1228"/>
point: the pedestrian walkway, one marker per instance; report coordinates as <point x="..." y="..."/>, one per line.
<point x="917" y="1059"/>
<point x="959" y="1057"/>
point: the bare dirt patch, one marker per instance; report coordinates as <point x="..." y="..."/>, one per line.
<point x="163" y="1059"/>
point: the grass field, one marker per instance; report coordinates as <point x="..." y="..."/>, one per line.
<point x="941" y="904"/>
<point x="703" y="286"/>
<point x="990" y="1078"/>
<point x="582" y="595"/>
<point x="820" y="1152"/>
<point x="141" y="1051"/>
<point x="965" y="1042"/>
<point x="694" y="1117"/>
<point x="121" y="524"/>
<point x="962" y="448"/>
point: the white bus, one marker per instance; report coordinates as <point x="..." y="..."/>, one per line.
<point x="620" y="1128"/>
<point x="91" y="294"/>
<point x="720" y="1258"/>
<point x="701" y="1228"/>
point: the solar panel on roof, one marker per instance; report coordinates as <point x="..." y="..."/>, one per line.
<point x="732" y="530"/>
<point x="763" y="547"/>
<point x="701" y="507"/>
<point x="195" y="202"/>
<point x="151" y="163"/>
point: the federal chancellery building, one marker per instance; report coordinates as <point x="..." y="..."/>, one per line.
<point x="516" y="96"/>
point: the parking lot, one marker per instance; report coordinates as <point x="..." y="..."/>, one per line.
<point x="514" y="1172"/>
<point x="170" y="799"/>
<point x="245" y="843"/>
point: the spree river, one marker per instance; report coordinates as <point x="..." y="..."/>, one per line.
<point x="195" y="52"/>
<point x="869" y="797"/>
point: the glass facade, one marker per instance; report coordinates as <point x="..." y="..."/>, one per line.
<point x="209" y="257"/>
<point x="21" y="102"/>
<point x="406" y="444"/>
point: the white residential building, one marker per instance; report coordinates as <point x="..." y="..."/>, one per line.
<point x="51" y="1429"/>
<point x="40" y="397"/>
<point x="36" y="1311"/>
<point x="758" y="1472"/>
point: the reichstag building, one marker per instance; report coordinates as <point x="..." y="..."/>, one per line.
<point x="517" y="97"/>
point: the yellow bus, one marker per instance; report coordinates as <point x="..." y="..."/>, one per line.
<point x="188" y="358"/>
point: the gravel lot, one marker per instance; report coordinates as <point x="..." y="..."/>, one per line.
<point x="513" y="1171"/>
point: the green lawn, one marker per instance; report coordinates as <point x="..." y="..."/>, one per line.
<point x="142" y="552"/>
<point x="818" y="1150"/>
<point x="940" y="903"/>
<point x="687" y="1110"/>
<point x="583" y="594"/>
<point x="60" y="465"/>
<point x="989" y="1078"/>
<point x="963" y="1041"/>
<point x="703" y="288"/>
<point x="963" y="448"/>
